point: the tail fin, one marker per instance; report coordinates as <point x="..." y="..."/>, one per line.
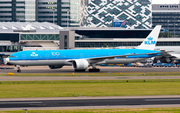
<point x="150" y="42"/>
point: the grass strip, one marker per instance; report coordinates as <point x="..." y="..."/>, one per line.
<point x="90" y="81"/>
<point x="99" y="74"/>
<point x="129" y="110"/>
<point x="76" y="88"/>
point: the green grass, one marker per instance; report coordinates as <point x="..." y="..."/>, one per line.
<point x="129" y="110"/>
<point x="99" y="74"/>
<point x="75" y="88"/>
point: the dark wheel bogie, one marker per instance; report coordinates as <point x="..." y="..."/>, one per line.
<point x="94" y="70"/>
<point x="19" y="71"/>
<point x="80" y="70"/>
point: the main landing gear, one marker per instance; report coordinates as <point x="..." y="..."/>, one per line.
<point x="80" y="70"/>
<point x="94" y="69"/>
<point x="18" y="68"/>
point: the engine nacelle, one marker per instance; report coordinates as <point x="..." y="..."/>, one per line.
<point x="80" y="64"/>
<point x="55" y="66"/>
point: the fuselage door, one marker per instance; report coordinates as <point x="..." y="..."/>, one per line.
<point x="47" y="56"/>
<point x="81" y="55"/>
<point x="110" y="54"/>
<point x="24" y="56"/>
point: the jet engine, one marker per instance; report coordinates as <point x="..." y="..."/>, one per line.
<point x="55" y="66"/>
<point x="80" y="64"/>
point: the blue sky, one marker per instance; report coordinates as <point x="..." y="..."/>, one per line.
<point x="165" y="1"/>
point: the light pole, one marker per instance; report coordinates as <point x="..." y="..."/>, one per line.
<point x="25" y="110"/>
<point x="67" y="16"/>
<point x="174" y="27"/>
<point x="53" y="15"/>
<point x="168" y="28"/>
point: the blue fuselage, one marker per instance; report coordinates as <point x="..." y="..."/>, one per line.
<point x="54" y="57"/>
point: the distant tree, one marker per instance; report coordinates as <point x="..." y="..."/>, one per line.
<point x="165" y="34"/>
<point x="178" y="35"/>
<point x="161" y="34"/>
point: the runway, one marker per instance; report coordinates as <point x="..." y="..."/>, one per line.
<point x="69" y="69"/>
<point x="78" y="102"/>
<point x="88" y="102"/>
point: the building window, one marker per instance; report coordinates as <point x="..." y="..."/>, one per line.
<point x="65" y="42"/>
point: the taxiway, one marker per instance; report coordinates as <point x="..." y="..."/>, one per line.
<point x="69" y="69"/>
<point x="89" y="102"/>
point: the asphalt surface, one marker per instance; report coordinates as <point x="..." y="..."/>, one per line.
<point x="86" y="102"/>
<point x="89" y="102"/>
<point x="69" y="69"/>
<point x="17" y="78"/>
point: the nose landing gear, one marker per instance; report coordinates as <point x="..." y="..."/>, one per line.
<point x="18" y="68"/>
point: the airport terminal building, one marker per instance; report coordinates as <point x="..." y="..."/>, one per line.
<point x="14" y="36"/>
<point x="96" y="18"/>
<point x="18" y="35"/>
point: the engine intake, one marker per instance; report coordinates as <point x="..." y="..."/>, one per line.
<point x="80" y="64"/>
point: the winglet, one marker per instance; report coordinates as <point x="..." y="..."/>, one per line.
<point x="150" y="42"/>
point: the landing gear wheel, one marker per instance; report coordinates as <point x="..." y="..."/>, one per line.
<point x="19" y="71"/>
<point x="80" y="70"/>
<point x="94" y="70"/>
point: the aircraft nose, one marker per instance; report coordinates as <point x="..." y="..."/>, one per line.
<point x="6" y="60"/>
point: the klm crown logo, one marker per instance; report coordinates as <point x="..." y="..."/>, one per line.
<point x="34" y="54"/>
<point x="150" y="38"/>
<point x="150" y="41"/>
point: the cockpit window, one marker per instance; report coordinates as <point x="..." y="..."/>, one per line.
<point x="11" y="56"/>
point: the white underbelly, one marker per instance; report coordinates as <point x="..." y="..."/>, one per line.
<point x="39" y="62"/>
<point x="124" y="60"/>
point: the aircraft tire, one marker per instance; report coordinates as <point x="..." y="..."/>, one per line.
<point x="19" y="71"/>
<point x="94" y="70"/>
<point x="80" y="70"/>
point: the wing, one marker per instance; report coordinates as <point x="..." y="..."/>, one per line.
<point x="100" y="59"/>
<point x="167" y="57"/>
<point x="165" y="54"/>
<point x="122" y="56"/>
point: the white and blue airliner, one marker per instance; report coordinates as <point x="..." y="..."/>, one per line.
<point x="81" y="59"/>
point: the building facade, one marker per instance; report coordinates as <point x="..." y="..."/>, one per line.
<point x="168" y="16"/>
<point x="17" y="10"/>
<point x="46" y="11"/>
<point x="101" y="13"/>
<point x="6" y="10"/>
<point x="18" y="36"/>
<point x="117" y="37"/>
<point x="30" y="10"/>
<point x="65" y="13"/>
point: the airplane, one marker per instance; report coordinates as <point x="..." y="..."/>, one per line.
<point x="81" y="59"/>
<point x="168" y="55"/>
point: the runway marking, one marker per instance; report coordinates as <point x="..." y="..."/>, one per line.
<point x="20" y="102"/>
<point x="162" y="99"/>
